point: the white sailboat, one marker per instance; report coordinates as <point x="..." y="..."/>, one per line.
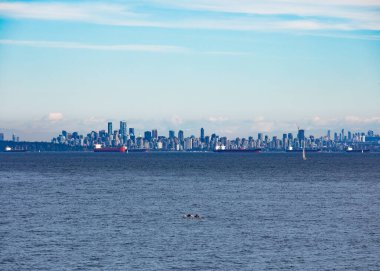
<point x="303" y="149"/>
<point x="304" y="145"/>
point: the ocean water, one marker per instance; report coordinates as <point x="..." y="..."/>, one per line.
<point x="111" y="211"/>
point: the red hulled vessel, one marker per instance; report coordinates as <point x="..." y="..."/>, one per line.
<point x="99" y="148"/>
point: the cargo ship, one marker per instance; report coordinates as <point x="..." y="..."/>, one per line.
<point x="350" y="149"/>
<point x="9" y="149"/>
<point x="239" y="150"/>
<point x="99" y="148"/>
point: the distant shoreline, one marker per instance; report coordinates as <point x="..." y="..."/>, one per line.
<point x="27" y="146"/>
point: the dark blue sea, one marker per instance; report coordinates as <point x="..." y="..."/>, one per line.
<point x="111" y="211"/>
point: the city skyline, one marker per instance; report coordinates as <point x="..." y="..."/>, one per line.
<point x="124" y="133"/>
<point x="317" y="127"/>
<point x="122" y="136"/>
<point x="236" y="67"/>
<point x="140" y="128"/>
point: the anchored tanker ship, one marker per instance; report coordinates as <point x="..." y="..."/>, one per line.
<point x="99" y="148"/>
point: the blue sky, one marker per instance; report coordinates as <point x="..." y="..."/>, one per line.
<point x="235" y="67"/>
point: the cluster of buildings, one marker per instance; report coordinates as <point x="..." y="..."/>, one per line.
<point x="14" y="137"/>
<point x="151" y="140"/>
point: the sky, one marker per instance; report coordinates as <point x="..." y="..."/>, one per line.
<point x="234" y="67"/>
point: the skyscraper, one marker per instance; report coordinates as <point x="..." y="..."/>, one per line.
<point x="1" y="136"/>
<point x="154" y="133"/>
<point x="180" y="135"/>
<point x="301" y="135"/>
<point x="109" y="128"/>
<point x="188" y="143"/>
<point x="132" y="131"/>
<point x="284" y="140"/>
<point x="148" y="135"/>
<point x="171" y="134"/>
<point x="335" y="136"/>
<point x="123" y="128"/>
<point x="202" y="135"/>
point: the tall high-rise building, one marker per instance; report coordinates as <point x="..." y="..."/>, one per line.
<point x="260" y="136"/>
<point x="290" y="136"/>
<point x="207" y="140"/>
<point x="109" y="128"/>
<point x="132" y="131"/>
<point x="148" y="135"/>
<point x="154" y="133"/>
<point x="1" y="137"/>
<point x="171" y="134"/>
<point x="188" y="143"/>
<point x="284" y="139"/>
<point x="180" y="135"/>
<point x="123" y="128"/>
<point x="202" y="135"/>
<point x="301" y="135"/>
<point x="329" y="134"/>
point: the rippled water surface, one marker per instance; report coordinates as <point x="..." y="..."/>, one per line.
<point x="99" y="211"/>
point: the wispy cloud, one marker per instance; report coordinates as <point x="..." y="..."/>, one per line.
<point x="352" y="9"/>
<point x="244" y="15"/>
<point x="150" y="48"/>
<point x="307" y="14"/>
<point x="74" y="11"/>
<point x="76" y="45"/>
<point x="55" y="116"/>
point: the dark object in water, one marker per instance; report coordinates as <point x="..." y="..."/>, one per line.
<point x="196" y="216"/>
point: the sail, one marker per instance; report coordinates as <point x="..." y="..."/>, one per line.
<point x="303" y="150"/>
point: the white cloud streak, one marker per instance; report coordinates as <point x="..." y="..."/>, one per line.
<point x="309" y="16"/>
<point x="121" y="47"/>
<point x="360" y="14"/>
<point x="55" y="116"/>
<point x="64" y="11"/>
<point x="334" y="8"/>
<point x="76" y="45"/>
